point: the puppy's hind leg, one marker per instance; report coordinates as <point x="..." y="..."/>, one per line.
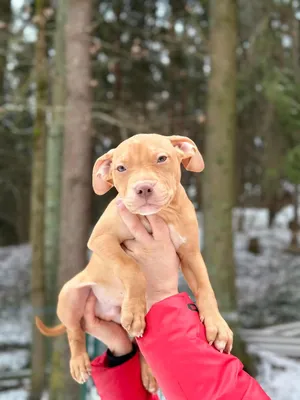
<point x="70" y="309"/>
<point x="148" y="379"/>
<point x="80" y="366"/>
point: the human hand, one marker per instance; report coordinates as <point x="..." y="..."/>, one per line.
<point x="108" y="332"/>
<point x="154" y="253"/>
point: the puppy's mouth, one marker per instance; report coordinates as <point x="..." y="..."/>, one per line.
<point x="147" y="207"/>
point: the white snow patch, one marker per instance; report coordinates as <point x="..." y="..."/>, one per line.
<point x="13" y="360"/>
<point x="16" y="325"/>
<point x="17" y="394"/>
<point x="279" y="376"/>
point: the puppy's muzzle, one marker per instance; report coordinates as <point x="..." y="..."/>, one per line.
<point x="144" y="189"/>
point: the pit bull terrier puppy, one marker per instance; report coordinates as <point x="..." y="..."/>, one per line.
<point x="145" y="170"/>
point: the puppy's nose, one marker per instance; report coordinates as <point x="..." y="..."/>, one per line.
<point x="144" y="190"/>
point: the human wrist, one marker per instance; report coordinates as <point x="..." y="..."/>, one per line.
<point x="118" y="344"/>
<point x="113" y="360"/>
<point x="121" y="349"/>
<point x="159" y="296"/>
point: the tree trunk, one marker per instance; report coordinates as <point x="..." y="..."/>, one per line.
<point x="219" y="176"/>
<point x="37" y="206"/>
<point x="273" y="159"/>
<point x="76" y="178"/>
<point x="5" y="19"/>
<point x="54" y="163"/>
<point x="296" y="54"/>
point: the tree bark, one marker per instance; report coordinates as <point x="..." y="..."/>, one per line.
<point x="38" y="358"/>
<point x="5" y="19"/>
<point x="76" y="177"/>
<point x="219" y="175"/>
<point x="296" y="67"/>
<point x="54" y="162"/>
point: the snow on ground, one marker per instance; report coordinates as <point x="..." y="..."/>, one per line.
<point x="14" y="360"/>
<point x="267" y="283"/>
<point x="17" y="394"/>
<point x="268" y="292"/>
<point x="279" y="376"/>
<point x="15" y="325"/>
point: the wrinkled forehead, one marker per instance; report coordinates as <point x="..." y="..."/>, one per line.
<point x="141" y="149"/>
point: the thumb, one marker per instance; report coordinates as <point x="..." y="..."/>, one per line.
<point x="90" y="305"/>
<point x="130" y="245"/>
<point x="160" y="229"/>
<point x="133" y="224"/>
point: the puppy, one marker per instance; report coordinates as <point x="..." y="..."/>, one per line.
<point x="145" y="170"/>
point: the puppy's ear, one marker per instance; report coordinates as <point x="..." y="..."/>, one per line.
<point x="190" y="156"/>
<point x="102" y="177"/>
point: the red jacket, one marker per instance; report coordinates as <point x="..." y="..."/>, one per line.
<point x="185" y="366"/>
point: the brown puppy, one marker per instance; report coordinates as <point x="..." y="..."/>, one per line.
<point x="145" y="170"/>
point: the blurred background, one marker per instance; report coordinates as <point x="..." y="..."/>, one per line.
<point x="79" y="76"/>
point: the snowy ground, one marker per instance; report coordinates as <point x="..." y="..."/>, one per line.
<point x="268" y="287"/>
<point x="268" y="283"/>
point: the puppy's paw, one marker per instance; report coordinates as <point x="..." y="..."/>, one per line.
<point x="80" y="367"/>
<point x="133" y="317"/>
<point x="218" y="332"/>
<point x="148" y="379"/>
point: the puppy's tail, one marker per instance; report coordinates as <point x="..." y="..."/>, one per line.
<point x="55" y="331"/>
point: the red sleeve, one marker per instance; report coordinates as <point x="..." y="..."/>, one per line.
<point x="185" y="366"/>
<point x="120" y="383"/>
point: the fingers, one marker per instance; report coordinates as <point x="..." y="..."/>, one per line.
<point x="89" y="312"/>
<point x="90" y="303"/>
<point x="131" y="246"/>
<point x="90" y="320"/>
<point x="160" y="229"/>
<point x="133" y="223"/>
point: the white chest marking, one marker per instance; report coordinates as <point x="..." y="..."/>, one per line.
<point x="176" y="238"/>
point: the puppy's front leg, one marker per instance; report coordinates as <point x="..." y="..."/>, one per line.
<point x="134" y="303"/>
<point x="195" y="272"/>
<point x="133" y="312"/>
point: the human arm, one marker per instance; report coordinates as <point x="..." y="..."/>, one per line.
<point x="159" y="262"/>
<point x="185" y="365"/>
<point x="117" y="372"/>
<point x="174" y="343"/>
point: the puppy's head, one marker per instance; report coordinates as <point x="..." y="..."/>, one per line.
<point x="145" y="170"/>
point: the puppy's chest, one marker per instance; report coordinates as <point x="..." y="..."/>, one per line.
<point x="177" y="238"/>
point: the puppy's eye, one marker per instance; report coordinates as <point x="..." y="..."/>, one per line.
<point x="121" y="168"/>
<point x="161" y="159"/>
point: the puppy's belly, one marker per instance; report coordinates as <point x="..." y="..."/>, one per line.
<point x="108" y="306"/>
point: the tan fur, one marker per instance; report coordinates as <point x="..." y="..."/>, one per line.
<point x="51" y="332"/>
<point x="114" y="277"/>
